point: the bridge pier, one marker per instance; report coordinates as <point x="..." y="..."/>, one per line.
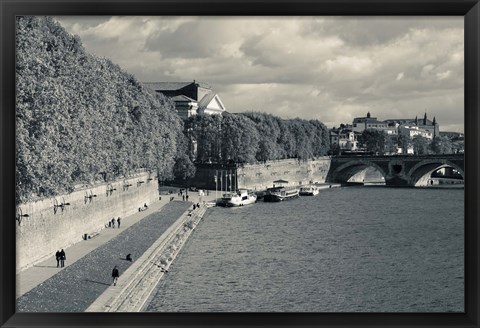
<point x="398" y="170"/>
<point x="397" y="181"/>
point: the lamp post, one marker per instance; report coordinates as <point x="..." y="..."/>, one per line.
<point x="216" y="173"/>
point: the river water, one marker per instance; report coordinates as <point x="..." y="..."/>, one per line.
<point x="357" y="249"/>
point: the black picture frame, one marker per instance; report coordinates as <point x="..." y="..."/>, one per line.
<point x="470" y="9"/>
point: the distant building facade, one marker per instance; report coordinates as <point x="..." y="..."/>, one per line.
<point x="361" y="124"/>
<point x="413" y="127"/>
<point x="345" y="139"/>
<point x="412" y="131"/>
<point x="190" y="98"/>
<point x="410" y="127"/>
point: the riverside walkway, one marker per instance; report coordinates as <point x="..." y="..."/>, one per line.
<point x="46" y="288"/>
<point x="75" y="287"/>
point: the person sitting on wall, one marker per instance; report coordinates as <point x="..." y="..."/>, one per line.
<point x="129" y="257"/>
<point x="145" y="206"/>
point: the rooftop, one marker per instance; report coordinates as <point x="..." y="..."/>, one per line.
<point x="172" y="86"/>
<point x="182" y="98"/>
<point x="203" y="103"/>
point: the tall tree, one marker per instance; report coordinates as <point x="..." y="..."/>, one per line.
<point x="81" y="118"/>
<point x="420" y="145"/>
<point x="374" y="140"/>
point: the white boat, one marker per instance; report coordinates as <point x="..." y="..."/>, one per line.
<point x="278" y="194"/>
<point x="210" y="204"/>
<point x="308" y="191"/>
<point x="240" y="198"/>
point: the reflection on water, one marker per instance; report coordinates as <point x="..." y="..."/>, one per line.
<point x="359" y="249"/>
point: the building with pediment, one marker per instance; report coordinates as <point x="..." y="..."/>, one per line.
<point x="190" y="98"/>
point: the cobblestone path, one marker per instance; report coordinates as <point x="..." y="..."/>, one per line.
<point x="74" y="288"/>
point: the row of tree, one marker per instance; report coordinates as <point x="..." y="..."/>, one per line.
<point x="81" y="118"/>
<point x="254" y="137"/>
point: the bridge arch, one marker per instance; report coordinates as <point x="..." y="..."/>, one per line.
<point x="347" y="170"/>
<point x="420" y="173"/>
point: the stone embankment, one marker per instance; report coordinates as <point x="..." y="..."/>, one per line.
<point x="76" y="287"/>
<point x="63" y="221"/>
<point x="136" y="285"/>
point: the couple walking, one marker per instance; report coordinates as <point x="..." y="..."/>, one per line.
<point x="111" y="223"/>
<point x="60" y="257"/>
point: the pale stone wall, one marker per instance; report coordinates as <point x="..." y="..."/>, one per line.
<point x="261" y="176"/>
<point x="43" y="232"/>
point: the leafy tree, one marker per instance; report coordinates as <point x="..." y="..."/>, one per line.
<point x="403" y="141"/>
<point x="420" y="145"/>
<point x="374" y="140"/>
<point x="205" y="131"/>
<point x="268" y="146"/>
<point x="335" y="149"/>
<point x="184" y="167"/>
<point x="253" y="136"/>
<point x="442" y="145"/>
<point x="320" y="138"/>
<point x="81" y="118"/>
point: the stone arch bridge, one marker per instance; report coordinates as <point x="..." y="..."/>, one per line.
<point x="397" y="170"/>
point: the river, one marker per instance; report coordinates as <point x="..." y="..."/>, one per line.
<point x="356" y="249"/>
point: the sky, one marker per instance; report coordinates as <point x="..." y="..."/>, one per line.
<point x="328" y="68"/>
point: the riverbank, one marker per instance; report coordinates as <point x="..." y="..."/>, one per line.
<point x="76" y="287"/>
<point x="136" y="285"/>
<point x="46" y="288"/>
<point x="33" y="276"/>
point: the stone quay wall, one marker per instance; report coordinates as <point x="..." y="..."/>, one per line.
<point x="49" y="227"/>
<point x="261" y="176"/>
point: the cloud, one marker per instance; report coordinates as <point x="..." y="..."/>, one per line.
<point x="328" y="68"/>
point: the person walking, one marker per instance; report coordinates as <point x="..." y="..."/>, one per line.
<point x="118" y="222"/>
<point x="113" y="223"/>
<point x="57" y="257"/>
<point x="183" y="197"/>
<point x="115" y="275"/>
<point x="186" y="197"/>
<point x="63" y="257"/>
